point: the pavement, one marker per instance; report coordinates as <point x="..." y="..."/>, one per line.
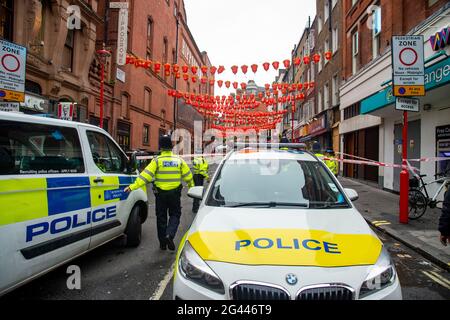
<point x="381" y="209"/>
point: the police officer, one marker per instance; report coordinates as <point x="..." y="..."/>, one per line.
<point x="284" y="140"/>
<point x="317" y="149"/>
<point x="331" y="164"/>
<point x="201" y="167"/>
<point x="166" y="172"/>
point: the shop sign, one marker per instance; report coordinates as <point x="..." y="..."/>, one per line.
<point x="35" y="103"/>
<point x="317" y="125"/>
<point x="440" y="40"/>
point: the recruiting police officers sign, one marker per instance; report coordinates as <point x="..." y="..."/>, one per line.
<point x="408" y="66"/>
<point x="12" y="71"/>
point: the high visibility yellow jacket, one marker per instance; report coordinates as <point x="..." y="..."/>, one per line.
<point x="201" y="166"/>
<point x="331" y="164"/>
<point x="166" y="171"/>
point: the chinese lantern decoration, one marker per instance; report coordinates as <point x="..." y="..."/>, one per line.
<point x="244" y="69"/>
<point x="297" y="61"/>
<point x="299" y="86"/>
<point x="194" y="79"/>
<point x="235" y="85"/>
<point x="157" y="67"/>
<point x="266" y="66"/>
<point x="194" y="69"/>
<point x="185" y="76"/>
<point x="167" y="73"/>
<point x="167" y="67"/>
<point x="234" y="69"/>
<point x="275" y="65"/>
<point x="175" y="68"/>
<point x="260" y="95"/>
<point x="211" y="82"/>
<point x="220" y="83"/>
<point x="177" y="75"/>
<point x="213" y="70"/>
<point x="328" y="55"/>
<point x="316" y="58"/>
<point x="185" y="69"/>
<point x="204" y="69"/>
<point x="287" y="63"/>
<point x="306" y="85"/>
<point x="204" y="80"/>
<point x="221" y="69"/>
<point x="254" y="68"/>
<point x="312" y="84"/>
<point x="227" y="84"/>
<point x="243" y="86"/>
<point x="274" y="86"/>
<point x="306" y="60"/>
<point x="267" y="86"/>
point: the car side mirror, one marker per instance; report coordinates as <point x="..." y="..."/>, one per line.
<point x="196" y="193"/>
<point x="351" y="194"/>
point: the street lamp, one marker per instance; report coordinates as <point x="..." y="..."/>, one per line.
<point x="102" y="54"/>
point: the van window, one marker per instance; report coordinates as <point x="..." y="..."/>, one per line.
<point x="31" y="148"/>
<point x="105" y="153"/>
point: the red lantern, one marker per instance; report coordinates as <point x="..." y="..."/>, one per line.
<point x="177" y="75"/>
<point x="167" y="73"/>
<point x="213" y="70"/>
<point x="297" y="61"/>
<point x="167" y="67"/>
<point x="328" y="55"/>
<point x="275" y="65"/>
<point x="157" y="67"/>
<point x="254" y="68"/>
<point x="260" y="95"/>
<point x="287" y="63"/>
<point x="147" y="64"/>
<point x="316" y="58"/>
<point x="235" y="85"/>
<point x="185" y="76"/>
<point x="204" y="80"/>
<point x="185" y="69"/>
<point x="306" y="60"/>
<point x="266" y="66"/>
<point x="204" y="69"/>
<point x="267" y="86"/>
<point x="194" y="79"/>
<point x="234" y="69"/>
<point x="312" y="84"/>
<point x="175" y="68"/>
<point x="194" y="69"/>
<point x="243" y="86"/>
<point x="211" y="82"/>
<point x="299" y="86"/>
<point x="244" y="69"/>
<point x="227" y="84"/>
<point x="221" y="69"/>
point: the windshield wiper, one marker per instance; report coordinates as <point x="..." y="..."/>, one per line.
<point x="329" y="205"/>
<point x="271" y="204"/>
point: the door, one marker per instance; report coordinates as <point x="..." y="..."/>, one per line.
<point x="108" y="178"/>
<point x="44" y="196"/>
<point x="413" y="147"/>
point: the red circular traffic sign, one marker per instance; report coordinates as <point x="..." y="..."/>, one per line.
<point x="408" y="56"/>
<point x="7" y="65"/>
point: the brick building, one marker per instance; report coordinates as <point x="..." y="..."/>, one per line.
<point x="140" y="109"/>
<point x="58" y="58"/>
<point x="368" y="26"/>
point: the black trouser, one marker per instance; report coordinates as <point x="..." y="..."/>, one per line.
<point x="198" y="180"/>
<point x="168" y="201"/>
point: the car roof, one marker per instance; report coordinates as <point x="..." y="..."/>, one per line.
<point x="272" y="154"/>
<point x="15" y="116"/>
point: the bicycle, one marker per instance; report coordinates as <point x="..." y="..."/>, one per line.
<point x="419" y="199"/>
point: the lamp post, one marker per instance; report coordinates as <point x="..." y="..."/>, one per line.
<point x="175" y="100"/>
<point x="103" y="54"/>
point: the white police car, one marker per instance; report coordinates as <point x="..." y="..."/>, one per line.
<point x="277" y="224"/>
<point x="61" y="195"/>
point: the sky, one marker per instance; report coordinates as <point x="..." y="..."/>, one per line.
<point x="237" y="32"/>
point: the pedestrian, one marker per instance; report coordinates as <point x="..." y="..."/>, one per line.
<point x="166" y="172"/>
<point x="284" y="140"/>
<point x="201" y="167"/>
<point x="444" y="221"/>
<point x="331" y="164"/>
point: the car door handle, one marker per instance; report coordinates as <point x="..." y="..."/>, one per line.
<point x="98" y="180"/>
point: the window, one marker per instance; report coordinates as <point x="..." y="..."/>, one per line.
<point x="352" y="111"/>
<point x="105" y="153"/>
<point x="147" y="100"/>
<point x="355" y="51"/>
<point x="67" y="59"/>
<point x="376" y="31"/>
<point x="150" y="38"/>
<point x="319" y="24"/>
<point x="327" y="48"/>
<point x="123" y="135"/>
<point x="326" y="96"/>
<point x="335" y="90"/>
<point x="165" y="50"/>
<point x="319" y="101"/>
<point x="124" y="106"/>
<point x="30" y="148"/>
<point x="326" y="10"/>
<point x="6" y="19"/>
<point x="335" y="39"/>
<point x="145" y="134"/>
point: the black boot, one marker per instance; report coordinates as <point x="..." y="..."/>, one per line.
<point x="170" y="243"/>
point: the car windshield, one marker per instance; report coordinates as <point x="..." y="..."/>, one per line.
<point x="275" y="183"/>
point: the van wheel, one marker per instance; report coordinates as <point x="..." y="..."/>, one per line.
<point x="134" y="228"/>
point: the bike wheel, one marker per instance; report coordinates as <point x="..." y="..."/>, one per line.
<point x="417" y="204"/>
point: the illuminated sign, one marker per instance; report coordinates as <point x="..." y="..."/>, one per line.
<point x="440" y="39"/>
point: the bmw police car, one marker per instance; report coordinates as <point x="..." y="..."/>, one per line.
<point x="61" y="195"/>
<point x="276" y="224"/>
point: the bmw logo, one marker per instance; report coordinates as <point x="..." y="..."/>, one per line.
<point x="291" y="279"/>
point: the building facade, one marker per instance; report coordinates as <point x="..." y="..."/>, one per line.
<point x="368" y="27"/>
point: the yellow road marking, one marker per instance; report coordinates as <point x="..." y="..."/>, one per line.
<point x="379" y="221"/>
<point x="436" y="279"/>
<point x="382" y="224"/>
<point x="437" y="275"/>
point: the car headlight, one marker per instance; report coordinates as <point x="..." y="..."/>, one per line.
<point x="192" y="267"/>
<point x="381" y="276"/>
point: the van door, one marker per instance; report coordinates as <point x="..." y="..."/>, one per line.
<point x="108" y="179"/>
<point x="44" y="197"/>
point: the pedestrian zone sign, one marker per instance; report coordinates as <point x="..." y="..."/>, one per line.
<point x="12" y="71"/>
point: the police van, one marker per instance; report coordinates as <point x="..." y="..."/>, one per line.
<point x="61" y="195"/>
